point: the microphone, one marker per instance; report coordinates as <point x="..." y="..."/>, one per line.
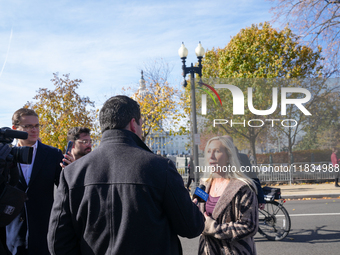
<point x="200" y="194"/>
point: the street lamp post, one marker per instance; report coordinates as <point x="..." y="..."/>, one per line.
<point x="183" y="53"/>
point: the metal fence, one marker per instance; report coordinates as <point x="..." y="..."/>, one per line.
<point x="297" y="172"/>
<point x="283" y="173"/>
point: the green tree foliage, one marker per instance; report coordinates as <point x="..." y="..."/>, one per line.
<point x="323" y="128"/>
<point x="61" y="109"/>
<point x="255" y="58"/>
<point x="261" y="51"/>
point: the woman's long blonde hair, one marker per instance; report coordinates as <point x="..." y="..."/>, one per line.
<point x="233" y="161"/>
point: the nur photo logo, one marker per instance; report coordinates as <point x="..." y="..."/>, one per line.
<point x="238" y="99"/>
<point x="281" y="98"/>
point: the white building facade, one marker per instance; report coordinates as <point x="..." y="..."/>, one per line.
<point x="167" y="144"/>
<point x="161" y="141"/>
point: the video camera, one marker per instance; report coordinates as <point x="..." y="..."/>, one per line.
<point x="18" y="154"/>
<point x="11" y="198"/>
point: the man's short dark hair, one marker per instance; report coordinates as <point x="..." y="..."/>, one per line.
<point x="74" y="133"/>
<point x="117" y="112"/>
<point x="16" y="118"/>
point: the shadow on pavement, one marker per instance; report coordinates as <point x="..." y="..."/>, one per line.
<point x="317" y="235"/>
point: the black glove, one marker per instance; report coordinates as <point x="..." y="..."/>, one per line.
<point x="8" y="170"/>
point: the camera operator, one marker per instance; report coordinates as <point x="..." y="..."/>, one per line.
<point x="11" y="199"/>
<point x="4" y="151"/>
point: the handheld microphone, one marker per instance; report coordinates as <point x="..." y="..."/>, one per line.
<point x="200" y="194"/>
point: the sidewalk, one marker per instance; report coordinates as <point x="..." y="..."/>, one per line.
<point x="299" y="191"/>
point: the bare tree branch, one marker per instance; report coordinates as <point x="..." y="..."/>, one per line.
<point x="316" y="22"/>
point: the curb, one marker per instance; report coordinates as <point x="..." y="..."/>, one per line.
<point x="311" y="196"/>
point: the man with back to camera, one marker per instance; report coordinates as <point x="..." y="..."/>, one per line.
<point x="82" y="143"/>
<point x="27" y="233"/>
<point x="122" y="198"/>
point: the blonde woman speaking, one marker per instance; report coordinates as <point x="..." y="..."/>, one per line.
<point x="231" y="211"/>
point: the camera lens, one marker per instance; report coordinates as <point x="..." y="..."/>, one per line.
<point x="22" y="154"/>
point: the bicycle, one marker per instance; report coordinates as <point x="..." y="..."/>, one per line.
<point x="274" y="220"/>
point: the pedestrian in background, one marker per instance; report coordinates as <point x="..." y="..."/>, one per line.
<point x="335" y="163"/>
<point x="191" y="176"/>
<point x="245" y="162"/>
<point x="82" y="144"/>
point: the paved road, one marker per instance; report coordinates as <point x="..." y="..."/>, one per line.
<point x="315" y="230"/>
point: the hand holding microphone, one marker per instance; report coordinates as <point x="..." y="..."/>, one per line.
<point x="200" y="194"/>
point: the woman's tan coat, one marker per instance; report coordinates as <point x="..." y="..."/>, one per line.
<point x="234" y="222"/>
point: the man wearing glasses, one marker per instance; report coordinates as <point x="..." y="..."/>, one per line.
<point x="82" y="143"/>
<point x="26" y="234"/>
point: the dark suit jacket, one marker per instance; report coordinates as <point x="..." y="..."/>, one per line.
<point x="122" y="199"/>
<point x="30" y="227"/>
<point x="253" y="175"/>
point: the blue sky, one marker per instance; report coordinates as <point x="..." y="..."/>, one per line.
<point x="106" y="43"/>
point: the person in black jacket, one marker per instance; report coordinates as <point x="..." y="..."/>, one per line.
<point x="191" y="176"/>
<point x="244" y="160"/>
<point x="260" y="196"/>
<point x="26" y="234"/>
<point x="4" y="151"/>
<point x="122" y="198"/>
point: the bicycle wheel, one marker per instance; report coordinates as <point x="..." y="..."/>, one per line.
<point x="274" y="221"/>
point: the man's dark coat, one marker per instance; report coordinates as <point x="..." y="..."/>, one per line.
<point x="29" y="228"/>
<point x="122" y="199"/>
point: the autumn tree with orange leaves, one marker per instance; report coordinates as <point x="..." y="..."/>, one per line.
<point x="61" y="109"/>
<point x="159" y="104"/>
